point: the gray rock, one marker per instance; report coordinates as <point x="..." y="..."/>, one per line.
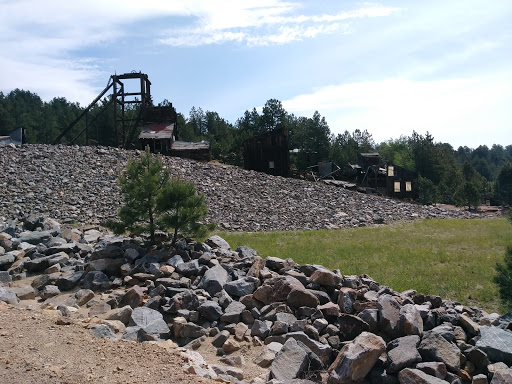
<point x="5" y="278"/>
<point x="34" y="237"/>
<point x="233" y="312"/>
<point x="351" y="326"/>
<point x="323" y="351"/>
<point x="122" y="314"/>
<point x="265" y="358"/>
<point x="38" y="264"/>
<point x="83" y="296"/>
<point x="92" y="235"/>
<point x="241" y="287"/>
<point x="41" y="281"/>
<point x="346" y="299"/>
<point x="210" y="310"/>
<point x="410" y="321"/>
<point x="356" y="359"/>
<point x="186" y="299"/>
<point x="191" y="268"/>
<point x="7" y="295"/>
<point x="275" y="263"/>
<point x="25" y="292"/>
<point x="217" y="242"/>
<point x="403" y="353"/>
<point x="220" y="338"/>
<point x="214" y="279"/>
<point x="234" y="372"/>
<point x="415" y="376"/>
<point x="191" y="330"/>
<point x="502" y="376"/>
<point x="151" y="322"/>
<point x="389" y="314"/>
<point x="432" y="368"/>
<point x="371" y="317"/>
<point x="496" y="342"/>
<point x="106" y="250"/>
<point x="95" y="281"/>
<point x="49" y="291"/>
<point x="69" y="280"/>
<point x="290" y="362"/>
<point x="261" y="328"/>
<point x="103" y="331"/>
<point x="7" y="260"/>
<point x="246" y="252"/>
<point x="434" y="347"/>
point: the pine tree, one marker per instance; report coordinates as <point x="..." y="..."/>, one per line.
<point x="141" y="184"/>
<point x="184" y="208"/>
<point x="503" y="277"/>
<point x="153" y="200"/>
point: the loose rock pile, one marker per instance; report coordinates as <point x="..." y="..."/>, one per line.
<point x="78" y="184"/>
<point x="314" y="323"/>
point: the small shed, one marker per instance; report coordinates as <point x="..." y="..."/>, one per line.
<point x="268" y="153"/>
<point x="16" y="137"/>
<point x="158" y="137"/>
<point x="190" y="150"/>
<point x="159" y="128"/>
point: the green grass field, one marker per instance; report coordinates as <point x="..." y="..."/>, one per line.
<point x="451" y="258"/>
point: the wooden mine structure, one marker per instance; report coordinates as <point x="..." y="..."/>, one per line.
<point x="159" y="123"/>
<point x="120" y="98"/>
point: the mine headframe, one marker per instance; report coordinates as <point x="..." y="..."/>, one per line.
<point x="124" y="125"/>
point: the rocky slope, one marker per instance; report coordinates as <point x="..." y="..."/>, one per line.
<point x="267" y="320"/>
<point x="78" y="184"/>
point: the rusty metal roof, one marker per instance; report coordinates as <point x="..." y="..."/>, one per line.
<point x="157" y="131"/>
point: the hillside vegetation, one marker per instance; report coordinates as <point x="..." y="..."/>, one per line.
<point x="451" y="258"/>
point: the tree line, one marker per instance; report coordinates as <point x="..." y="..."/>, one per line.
<point x="462" y="176"/>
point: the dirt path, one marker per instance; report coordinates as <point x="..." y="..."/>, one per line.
<point x="34" y="348"/>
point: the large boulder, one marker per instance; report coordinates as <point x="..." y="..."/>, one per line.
<point x="214" y="279"/>
<point x="356" y="359"/>
<point x="134" y="297"/>
<point x="277" y="289"/>
<point x="389" y="315"/>
<point x="325" y="277"/>
<point x="496" y="342"/>
<point x="403" y="353"/>
<point x="290" y="361"/>
<point x="302" y="298"/>
<point x="148" y="324"/>
<point x="8" y="295"/>
<point x="434" y="347"/>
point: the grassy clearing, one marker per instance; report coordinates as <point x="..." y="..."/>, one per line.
<point x="451" y="258"/>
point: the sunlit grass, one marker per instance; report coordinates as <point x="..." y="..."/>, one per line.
<point x="451" y="258"/>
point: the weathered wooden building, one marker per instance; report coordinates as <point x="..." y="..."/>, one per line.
<point x="268" y="153"/>
<point x="386" y="178"/>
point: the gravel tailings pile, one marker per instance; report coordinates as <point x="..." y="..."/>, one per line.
<point x="71" y="183"/>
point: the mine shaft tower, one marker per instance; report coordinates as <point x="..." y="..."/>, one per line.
<point x="124" y="127"/>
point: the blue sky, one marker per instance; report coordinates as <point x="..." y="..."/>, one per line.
<point x="390" y="67"/>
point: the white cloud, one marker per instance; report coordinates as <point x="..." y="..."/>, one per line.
<point x="458" y="111"/>
<point x="270" y="24"/>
